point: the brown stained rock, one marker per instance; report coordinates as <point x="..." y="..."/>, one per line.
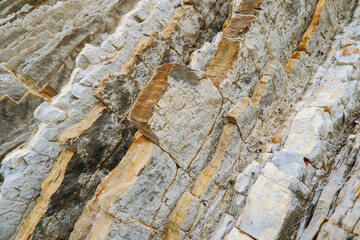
<point x="95" y="221"/>
<point x="119" y="90"/>
<point x="171" y="26"/>
<point x="271" y="88"/>
<point x="350" y="50"/>
<point x="144" y="106"/>
<point x="227" y="152"/>
<point x="291" y="65"/>
<point x="80" y="128"/>
<point x="180" y="216"/>
<point x="249" y="6"/>
<point x="282" y="132"/>
<point x="143" y="49"/>
<point x="96" y="136"/>
<point x="49" y="187"/>
<point x="244" y="116"/>
<point x="237" y="26"/>
<point x="176" y="103"/>
<point x="225" y="57"/>
<point x="315" y="22"/>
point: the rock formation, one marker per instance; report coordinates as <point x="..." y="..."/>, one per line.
<point x="180" y="119"/>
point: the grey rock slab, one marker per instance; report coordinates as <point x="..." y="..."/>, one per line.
<point x="144" y="197"/>
<point x="177" y="110"/>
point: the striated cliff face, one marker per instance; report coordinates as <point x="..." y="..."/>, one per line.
<point x="180" y="119"/>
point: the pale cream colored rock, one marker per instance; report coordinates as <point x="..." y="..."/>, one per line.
<point x="265" y="221"/>
<point x="226" y="223"/>
<point x="343" y="73"/>
<point x="235" y="234"/>
<point x="49" y="113"/>
<point x="331" y="96"/>
<point x="242" y="184"/>
<point x="288" y="177"/>
<point x="306" y="134"/>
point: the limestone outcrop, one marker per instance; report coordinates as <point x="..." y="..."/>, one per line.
<point x="180" y="119"/>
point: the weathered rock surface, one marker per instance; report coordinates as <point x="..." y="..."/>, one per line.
<point x="164" y="108"/>
<point x="181" y="119"/>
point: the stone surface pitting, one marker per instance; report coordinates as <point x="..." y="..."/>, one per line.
<point x="244" y="133"/>
<point x="118" y="52"/>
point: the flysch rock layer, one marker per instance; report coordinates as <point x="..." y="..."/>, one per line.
<point x="210" y="207"/>
<point x="74" y="116"/>
<point x="39" y="44"/>
<point x="244" y="133"/>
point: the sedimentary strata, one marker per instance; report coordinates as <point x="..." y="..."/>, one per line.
<point x="181" y="119"/>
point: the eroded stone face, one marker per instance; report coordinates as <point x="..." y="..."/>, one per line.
<point x="237" y="146"/>
<point x="259" y="220"/>
<point x="177" y="110"/>
<point x="244" y="116"/>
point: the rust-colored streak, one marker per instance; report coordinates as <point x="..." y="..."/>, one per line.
<point x="315" y="22"/>
<point x="144" y="106"/>
<point x="80" y="128"/>
<point x="172" y="230"/>
<point x="138" y="51"/>
<point x="50" y="185"/>
<point x="238" y="25"/>
<point x="284" y="128"/>
<point x="48" y="92"/>
<point x="224" y="58"/>
<point x="349" y="51"/>
<point x="290" y="66"/>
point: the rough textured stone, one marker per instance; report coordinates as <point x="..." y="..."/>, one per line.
<point x="249" y="112"/>
<point x="147" y="164"/>
<point x="175" y="93"/>
<point x="258" y="219"/>
<point x="224" y="159"/>
<point x="244" y="116"/>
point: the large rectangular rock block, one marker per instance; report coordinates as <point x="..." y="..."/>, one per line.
<point x="265" y="221"/>
<point x="177" y="111"/>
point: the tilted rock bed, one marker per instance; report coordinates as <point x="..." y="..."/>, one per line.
<point x="249" y="136"/>
<point x="39" y="44"/>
